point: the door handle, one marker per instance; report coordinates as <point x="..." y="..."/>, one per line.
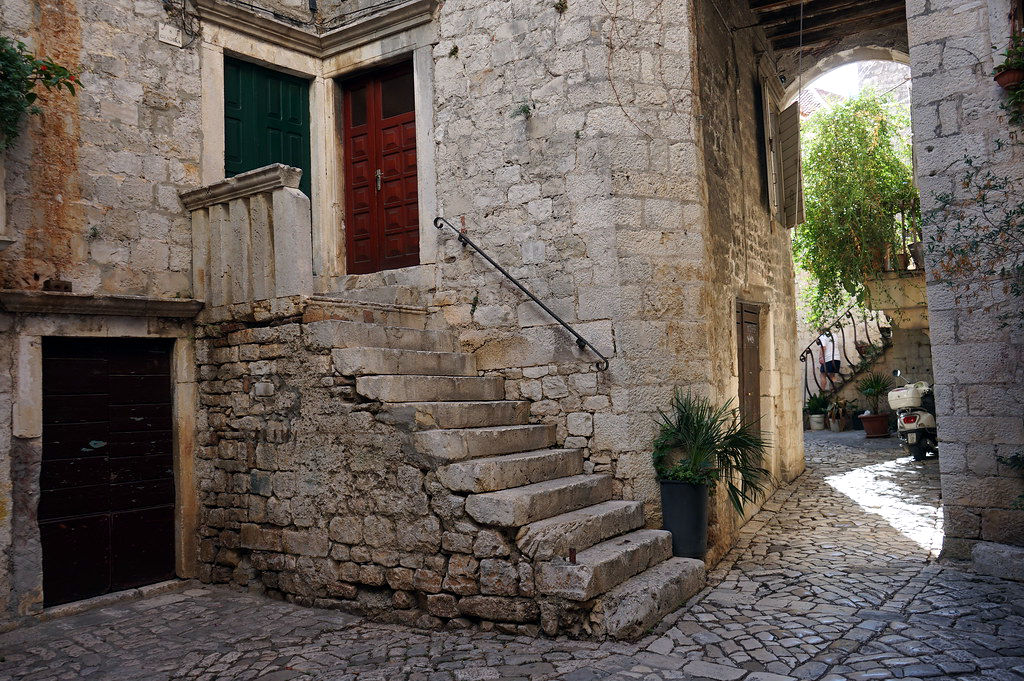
<point x="378" y="179"/>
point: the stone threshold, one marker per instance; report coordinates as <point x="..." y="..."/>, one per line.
<point x="54" y="302"/>
<point x="101" y="601"/>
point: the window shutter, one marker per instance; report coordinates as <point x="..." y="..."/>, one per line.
<point x="771" y="146"/>
<point x="789" y="154"/>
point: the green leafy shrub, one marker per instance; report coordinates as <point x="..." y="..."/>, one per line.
<point x="858" y="182"/>
<point x="874" y="387"/>
<point x="816" y="404"/>
<point x="20" y="73"/>
<point x="702" y="444"/>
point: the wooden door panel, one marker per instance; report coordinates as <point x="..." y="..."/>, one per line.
<point x="381" y="215"/>
<point x="107" y="466"/>
<point x="76" y="558"/>
<point x="748" y="332"/>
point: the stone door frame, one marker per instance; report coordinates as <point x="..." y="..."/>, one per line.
<point x="27" y="430"/>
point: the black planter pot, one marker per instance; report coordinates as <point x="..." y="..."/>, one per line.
<point x="684" y="509"/>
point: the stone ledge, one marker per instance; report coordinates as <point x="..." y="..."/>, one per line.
<point x="51" y="302"/>
<point x="999" y="560"/>
<point x="265" y="179"/>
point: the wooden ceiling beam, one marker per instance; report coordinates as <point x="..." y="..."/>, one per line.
<point x="792" y="14"/>
<point x="761" y="6"/>
<point x="881" y="9"/>
<point x="815" y="38"/>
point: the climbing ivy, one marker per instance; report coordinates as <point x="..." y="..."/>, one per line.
<point x="857" y="183"/>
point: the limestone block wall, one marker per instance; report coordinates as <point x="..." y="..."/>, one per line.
<point x="92" y="183"/>
<point x="749" y="257"/>
<point x="977" y="362"/>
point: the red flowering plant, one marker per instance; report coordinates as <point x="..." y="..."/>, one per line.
<point x="20" y="73"/>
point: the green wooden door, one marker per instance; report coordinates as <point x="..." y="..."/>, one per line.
<point x="266" y="119"/>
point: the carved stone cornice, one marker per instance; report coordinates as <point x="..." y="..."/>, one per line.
<point x="312" y="40"/>
<point x="52" y="302"/>
<point x="265" y="179"/>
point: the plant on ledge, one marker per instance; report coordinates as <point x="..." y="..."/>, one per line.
<point x="858" y="183"/>
<point x="20" y="73"/>
<point x="1010" y="75"/>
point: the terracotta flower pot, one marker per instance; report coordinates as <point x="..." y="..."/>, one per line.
<point x="1010" y="78"/>
<point x="875" y="425"/>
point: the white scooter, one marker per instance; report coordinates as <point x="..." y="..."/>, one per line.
<point x="915" y="418"/>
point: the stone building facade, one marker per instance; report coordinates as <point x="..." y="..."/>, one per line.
<point x="957" y="113"/>
<point x="419" y="443"/>
<point x="422" y="444"/>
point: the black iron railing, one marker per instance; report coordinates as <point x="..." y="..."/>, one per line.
<point x="867" y="349"/>
<point x="581" y="342"/>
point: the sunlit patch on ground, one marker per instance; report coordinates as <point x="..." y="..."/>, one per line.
<point x="892" y="490"/>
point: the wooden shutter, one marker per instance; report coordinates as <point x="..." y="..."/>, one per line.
<point x="771" y="150"/>
<point x="266" y="120"/>
<point x="789" y="156"/>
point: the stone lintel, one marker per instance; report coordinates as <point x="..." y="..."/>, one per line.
<point x="265" y="179"/>
<point x="51" y="302"/>
<point x="267" y="27"/>
<point x="376" y="26"/>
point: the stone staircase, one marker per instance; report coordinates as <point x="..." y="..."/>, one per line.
<point x="589" y="553"/>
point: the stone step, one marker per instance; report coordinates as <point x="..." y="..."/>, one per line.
<point x="319" y="308"/>
<point x="553" y="537"/>
<point x="375" y="361"/>
<point x="430" y="388"/>
<point x="425" y="415"/>
<point x="387" y="294"/>
<point x="446" y="446"/>
<point x="338" y="333"/>
<point x="603" y="565"/>
<point x="630" y="609"/>
<point x="512" y="470"/>
<point x="522" y="505"/>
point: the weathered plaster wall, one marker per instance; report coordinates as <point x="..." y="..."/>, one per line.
<point x="92" y="182"/>
<point x="749" y="256"/>
<point x="977" y="362"/>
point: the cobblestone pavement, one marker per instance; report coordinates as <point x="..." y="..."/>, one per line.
<point x="834" y="579"/>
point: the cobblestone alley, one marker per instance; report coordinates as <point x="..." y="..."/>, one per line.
<point x="834" y="579"/>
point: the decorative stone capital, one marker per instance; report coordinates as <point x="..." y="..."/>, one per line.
<point x="265" y="179"/>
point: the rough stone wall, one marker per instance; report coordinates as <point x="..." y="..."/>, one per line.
<point x="7" y="341"/>
<point x="314" y="494"/>
<point x="977" y="362"/>
<point x="750" y="258"/>
<point x="92" y="183"/>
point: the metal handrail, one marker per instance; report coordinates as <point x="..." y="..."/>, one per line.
<point x="581" y="342"/>
<point x="838" y="324"/>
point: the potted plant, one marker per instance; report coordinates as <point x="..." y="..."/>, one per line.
<point x="699" y="445"/>
<point x="1010" y="73"/>
<point x="874" y="387"/>
<point x="837" y="415"/>
<point x="816" y="407"/>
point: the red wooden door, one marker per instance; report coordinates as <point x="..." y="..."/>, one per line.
<point x="748" y="342"/>
<point x="106" y="501"/>
<point x="381" y="202"/>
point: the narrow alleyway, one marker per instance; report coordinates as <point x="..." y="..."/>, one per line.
<point x="834" y="579"/>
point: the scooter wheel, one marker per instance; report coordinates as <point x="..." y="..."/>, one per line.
<point x="918" y="452"/>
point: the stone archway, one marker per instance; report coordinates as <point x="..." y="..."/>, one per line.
<point x="835" y="60"/>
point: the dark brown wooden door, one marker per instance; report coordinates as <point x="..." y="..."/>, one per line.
<point x="106" y="503"/>
<point x="748" y="340"/>
<point x="381" y="201"/>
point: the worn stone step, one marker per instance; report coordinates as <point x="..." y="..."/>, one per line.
<point x="579" y="530"/>
<point x="446" y="446"/>
<point x="630" y="609"/>
<point x="386" y="294"/>
<point x="522" y="505"/>
<point x="430" y="388"/>
<point x="338" y="333"/>
<point x="426" y="415"/>
<point x="511" y="470"/>
<point x="321" y="307"/>
<point x="604" y="565"/>
<point x="375" y="361"/>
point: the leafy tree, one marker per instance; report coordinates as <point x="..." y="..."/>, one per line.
<point x="857" y="183"/>
<point x="20" y="73"/>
